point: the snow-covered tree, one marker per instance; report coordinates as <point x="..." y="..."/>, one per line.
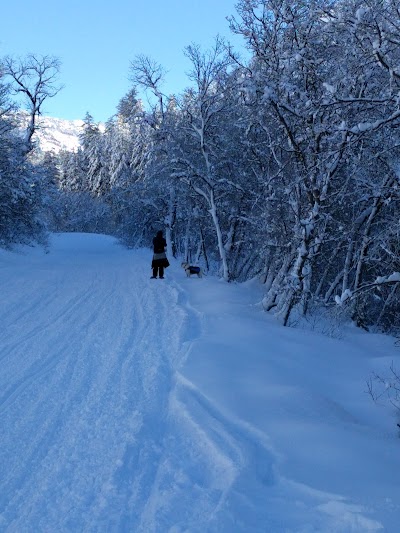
<point x="21" y="189"/>
<point x="317" y="93"/>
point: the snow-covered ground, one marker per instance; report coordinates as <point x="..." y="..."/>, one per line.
<point x="136" y="405"/>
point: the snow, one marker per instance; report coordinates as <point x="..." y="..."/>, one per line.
<point x="340" y="300"/>
<point x="361" y="11"/>
<point x="329" y="88"/>
<point x="395" y="277"/>
<point x="177" y="405"/>
<point x="54" y="134"/>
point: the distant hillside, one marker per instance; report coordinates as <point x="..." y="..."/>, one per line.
<point x="54" y="134"/>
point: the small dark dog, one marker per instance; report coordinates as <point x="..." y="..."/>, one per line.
<point x="190" y="270"/>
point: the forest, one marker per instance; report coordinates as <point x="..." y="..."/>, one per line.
<point x="282" y="167"/>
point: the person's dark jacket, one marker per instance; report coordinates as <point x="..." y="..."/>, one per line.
<point x="159" y="257"/>
<point x="159" y="244"/>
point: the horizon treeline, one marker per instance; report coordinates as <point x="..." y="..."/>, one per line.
<point x="284" y="167"/>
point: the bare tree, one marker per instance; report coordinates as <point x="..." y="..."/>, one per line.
<point x="35" y="77"/>
<point x="149" y="75"/>
<point x="386" y="388"/>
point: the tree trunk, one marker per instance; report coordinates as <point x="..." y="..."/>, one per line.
<point x="269" y="300"/>
<point x="221" y="248"/>
<point x="170" y="222"/>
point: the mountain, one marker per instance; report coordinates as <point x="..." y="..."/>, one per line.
<point x="54" y="134"/>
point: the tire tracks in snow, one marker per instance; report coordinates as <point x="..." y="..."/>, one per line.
<point x="90" y="413"/>
<point x="34" y="400"/>
<point x="45" y="400"/>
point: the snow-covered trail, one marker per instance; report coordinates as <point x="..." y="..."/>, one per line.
<point x="88" y="348"/>
<point x="106" y="424"/>
<point x="99" y="430"/>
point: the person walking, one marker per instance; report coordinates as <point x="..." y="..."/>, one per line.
<point x="160" y="260"/>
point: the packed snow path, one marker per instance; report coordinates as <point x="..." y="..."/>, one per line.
<point x="100" y="430"/>
<point x="89" y="344"/>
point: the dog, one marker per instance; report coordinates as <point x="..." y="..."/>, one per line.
<point x="190" y="270"/>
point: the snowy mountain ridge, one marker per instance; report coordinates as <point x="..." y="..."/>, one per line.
<point x="54" y="134"/>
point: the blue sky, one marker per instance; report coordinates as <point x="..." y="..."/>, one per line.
<point x="96" y="40"/>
